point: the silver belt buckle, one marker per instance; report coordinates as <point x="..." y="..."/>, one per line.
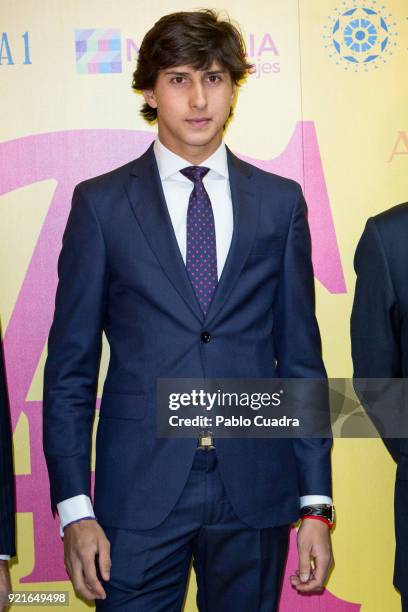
<point x="205" y="441"/>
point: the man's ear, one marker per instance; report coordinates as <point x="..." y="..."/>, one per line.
<point x="150" y="98"/>
<point x="234" y="94"/>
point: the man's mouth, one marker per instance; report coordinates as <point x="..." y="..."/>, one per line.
<point x="198" y="121"/>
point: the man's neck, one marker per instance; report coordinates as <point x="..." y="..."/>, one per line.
<point x="194" y="155"/>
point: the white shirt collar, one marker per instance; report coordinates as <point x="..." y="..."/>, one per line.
<point x="170" y="163"/>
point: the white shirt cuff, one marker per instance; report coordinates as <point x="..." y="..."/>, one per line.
<point x="4" y="557"/>
<point x="308" y="500"/>
<point x="73" y="509"/>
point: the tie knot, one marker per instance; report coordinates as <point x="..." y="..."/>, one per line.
<point x="195" y="173"/>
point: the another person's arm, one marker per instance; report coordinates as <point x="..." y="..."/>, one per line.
<point x="375" y="319"/>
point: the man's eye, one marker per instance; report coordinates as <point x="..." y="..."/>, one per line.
<point x="178" y="80"/>
<point x="214" y="78"/>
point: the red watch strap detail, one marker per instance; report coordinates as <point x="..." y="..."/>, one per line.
<point x="318" y="518"/>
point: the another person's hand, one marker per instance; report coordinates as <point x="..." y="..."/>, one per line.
<point x="315" y="556"/>
<point x="82" y="542"/>
<point x="5" y="584"/>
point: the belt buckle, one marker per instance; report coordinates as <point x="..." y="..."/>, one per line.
<point x="205" y="441"/>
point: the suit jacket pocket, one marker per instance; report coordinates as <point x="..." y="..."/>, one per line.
<point x="123" y="406"/>
<point x="268" y="246"/>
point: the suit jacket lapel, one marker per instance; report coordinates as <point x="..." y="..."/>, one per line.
<point x="245" y="205"/>
<point x="148" y="203"/>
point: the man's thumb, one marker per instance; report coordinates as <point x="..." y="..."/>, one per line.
<point x="304" y="565"/>
<point x="104" y="562"/>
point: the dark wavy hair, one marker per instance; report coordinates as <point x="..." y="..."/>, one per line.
<point x="196" y="39"/>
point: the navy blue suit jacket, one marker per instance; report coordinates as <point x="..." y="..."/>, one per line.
<point x="379" y="335"/>
<point x="7" y="518"/>
<point x="121" y="271"/>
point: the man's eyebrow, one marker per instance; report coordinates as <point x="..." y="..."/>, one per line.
<point x="218" y="71"/>
<point x="177" y="72"/>
<point x="207" y="72"/>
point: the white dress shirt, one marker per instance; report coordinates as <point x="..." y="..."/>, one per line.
<point x="177" y="189"/>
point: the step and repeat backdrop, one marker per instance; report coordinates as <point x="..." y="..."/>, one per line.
<point x="326" y="106"/>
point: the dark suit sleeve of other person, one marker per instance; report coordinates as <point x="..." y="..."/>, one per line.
<point x="74" y="349"/>
<point x="298" y="344"/>
<point x="375" y="317"/>
<point x="7" y="517"/>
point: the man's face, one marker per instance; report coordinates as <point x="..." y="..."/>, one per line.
<point x="192" y="108"/>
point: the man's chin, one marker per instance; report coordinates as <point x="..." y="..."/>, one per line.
<point x="201" y="139"/>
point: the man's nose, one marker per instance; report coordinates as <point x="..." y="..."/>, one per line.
<point x="198" y="97"/>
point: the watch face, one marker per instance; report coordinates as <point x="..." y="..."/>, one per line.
<point x="326" y="511"/>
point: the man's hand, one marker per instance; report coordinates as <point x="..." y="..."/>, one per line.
<point x="314" y="545"/>
<point x="5" y="584"/>
<point x="82" y="542"/>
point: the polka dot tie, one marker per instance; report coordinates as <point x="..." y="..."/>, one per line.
<point x="201" y="259"/>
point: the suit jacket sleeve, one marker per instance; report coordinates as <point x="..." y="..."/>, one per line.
<point x="7" y="517"/>
<point x="375" y="316"/>
<point x="298" y="345"/>
<point x="74" y="348"/>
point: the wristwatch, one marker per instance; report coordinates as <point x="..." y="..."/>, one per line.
<point x="321" y="512"/>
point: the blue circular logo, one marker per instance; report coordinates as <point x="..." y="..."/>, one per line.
<point x="359" y="36"/>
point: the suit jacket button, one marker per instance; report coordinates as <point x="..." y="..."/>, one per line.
<point x="205" y="336"/>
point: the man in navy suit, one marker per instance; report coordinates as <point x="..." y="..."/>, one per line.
<point x="7" y="520"/>
<point x="195" y="265"/>
<point x="380" y="341"/>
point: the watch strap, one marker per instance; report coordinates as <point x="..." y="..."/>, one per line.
<point x="324" y="512"/>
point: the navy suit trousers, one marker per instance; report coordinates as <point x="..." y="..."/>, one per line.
<point x="238" y="568"/>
